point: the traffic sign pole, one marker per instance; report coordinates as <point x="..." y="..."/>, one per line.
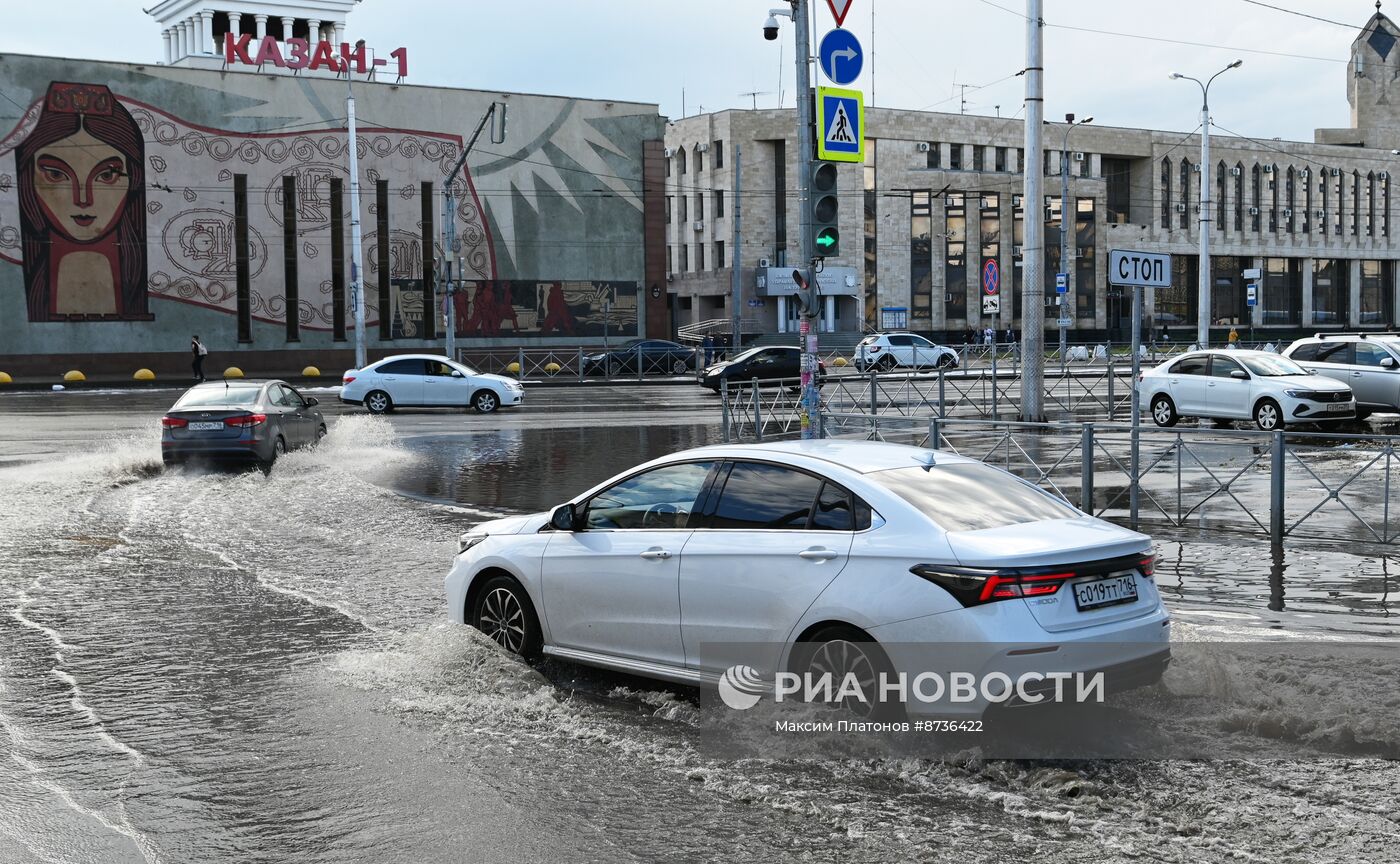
<point x="811" y="397"/>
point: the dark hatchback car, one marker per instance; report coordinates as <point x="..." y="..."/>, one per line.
<point x="654" y="356"/>
<point x="248" y="422"/>
<point x="769" y="364"/>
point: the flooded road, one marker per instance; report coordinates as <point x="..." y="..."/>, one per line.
<point x="221" y="667"/>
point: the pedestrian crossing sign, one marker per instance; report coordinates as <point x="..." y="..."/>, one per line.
<point x="840" y="125"/>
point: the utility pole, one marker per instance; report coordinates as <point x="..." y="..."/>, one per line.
<point x="449" y="211"/>
<point x="1033" y="299"/>
<point x="1203" y="265"/>
<point x="736" y="260"/>
<point x="1066" y="213"/>
<point x="357" y="292"/>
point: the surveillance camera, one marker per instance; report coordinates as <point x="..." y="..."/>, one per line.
<point x="770" y="28"/>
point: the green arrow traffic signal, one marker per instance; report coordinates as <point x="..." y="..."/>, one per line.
<point x="826" y="240"/>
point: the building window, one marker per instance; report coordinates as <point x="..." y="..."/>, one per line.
<point x="1085" y="264"/>
<point x="990" y="215"/>
<point x="1228" y="299"/>
<point x="719" y="154"/>
<point x="871" y="232"/>
<point x="1239" y="197"/>
<point x="1053" y="222"/>
<point x="1185" y="208"/>
<point x="719" y="203"/>
<point x="1166" y="192"/>
<point x="699" y="205"/>
<point x="1370" y="203"/>
<point x="1339" y="189"/>
<point x="669" y="160"/>
<point x="933" y="154"/>
<point x="680" y="160"/>
<point x="979" y="156"/>
<point x="670" y="259"/>
<point x="999" y="157"/>
<point x="668" y="209"/>
<point x="955" y="258"/>
<point x="1045" y="169"/>
<point x="1305" y="217"/>
<point x="1257" y="201"/>
<point x="1084" y="164"/>
<point x="1020" y="160"/>
<point x="719" y="254"/>
<point x="1385" y="204"/>
<point x="699" y="257"/>
<point x="955" y="157"/>
<point x="1176" y="305"/>
<point x="1288" y="200"/>
<point x="685" y="258"/>
<point x="1330" y="292"/>
<point x="921" y="256"/>
<point x="1118" y="182"/>
<point x="1282" y="299"/>
<point x="1222" y="223"/>
<point x="1355" y="202"/>
<point x="699" y="159"/>
<point x="1377" y="296"/>
<point x="1273" y="199"/>
<point x="1018" y="242"/>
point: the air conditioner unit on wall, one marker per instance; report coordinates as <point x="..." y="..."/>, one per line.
<point x="1181" y="208"/>
<point x="1196" y="168"/>
<point x="702" y="148"/>
<point x="1268" y="169"/>
<point x="763" y="262"/>
<point x="670" y="151"/>
<point x="923" y="146"/>
<point x="1016" y="250"/>
<point x="698" y="226"/>
<point x="1335" y="172"/>
<point x="1078" y="156"/>
<point x="1384" y="175"/>
<point x="1288" y="212"/>
<point x="1235" y="172"/>
<point x="1254" y="211"/>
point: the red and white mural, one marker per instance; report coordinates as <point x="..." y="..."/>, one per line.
<point x="109" y="204"/>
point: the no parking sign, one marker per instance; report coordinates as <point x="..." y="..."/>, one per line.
<point x="991" y="278"/>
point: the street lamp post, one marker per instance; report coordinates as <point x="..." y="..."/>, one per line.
<point x="1203" y="265"/>
<point x="1066" y="213"/>
<point x="357" y="292"/>
<point x="807" y="284"/>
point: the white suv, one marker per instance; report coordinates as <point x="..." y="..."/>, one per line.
<point x="1367" y="363"/>
<point x="427" y="380"/>
<point x="891" y="350"/>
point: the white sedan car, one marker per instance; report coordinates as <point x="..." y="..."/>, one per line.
<point x="764" y="555"/>
<point x="1272" y="391"/>
<point x="426" y="380"/>
<point x="885" y="351"/>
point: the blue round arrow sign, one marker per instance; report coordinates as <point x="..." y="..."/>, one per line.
<point x="840" y="56"/>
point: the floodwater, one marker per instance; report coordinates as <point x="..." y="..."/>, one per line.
<point x="231" y="667"/>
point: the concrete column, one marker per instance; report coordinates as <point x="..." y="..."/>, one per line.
<point x="168" y="37"/>
<point x="339" y="34"/>
<point x="1308" y="287"/>
<point x="1353" y="266"/>
<point x="313" y="31"/>
<point x="1257" y="313"/>
<point x="287" y="28"/>
<point x="829" y="314"/>
<point x="178" y="40"/>
<point x="261" y="19"/>
<point x="191" y="37"/>
<point x="206" y="32"/>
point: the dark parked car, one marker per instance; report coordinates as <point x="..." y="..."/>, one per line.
<point x="768" y="364"/>
<point x="656" y="357"/>
<point x="250" y="422"/>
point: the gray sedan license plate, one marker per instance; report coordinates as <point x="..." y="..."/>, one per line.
<point x="205" y="427"/>
<point x="1119" y="588"/>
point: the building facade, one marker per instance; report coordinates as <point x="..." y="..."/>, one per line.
<point x="937" y="212"/>
<point x="209" y="194"/>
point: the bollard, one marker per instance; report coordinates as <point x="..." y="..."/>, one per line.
<point x="724" y="409"/>
<point x="1276" y="501"/>
<point x="757" y="412"/>
<point x="933" y="433"/>
<point x="995" y="388"/>
<point x="1086" y="469"/>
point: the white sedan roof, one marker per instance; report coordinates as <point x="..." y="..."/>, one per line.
<point x="860" y="456"/>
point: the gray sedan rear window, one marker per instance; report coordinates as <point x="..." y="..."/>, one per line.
<point x="205" y="397"/>
<point x="968" y="497"/>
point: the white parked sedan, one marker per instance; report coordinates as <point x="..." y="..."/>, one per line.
<point x="1272" y="391"/>
<point x="691" y="564"/>
<point x="426" y="380"/>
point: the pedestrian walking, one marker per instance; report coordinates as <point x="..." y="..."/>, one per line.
<point x="708" y="343"/>
<point x="1166" y="334"/>
<point x="198" y="352"/>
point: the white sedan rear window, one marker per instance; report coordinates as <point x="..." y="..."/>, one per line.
<point x="971" y="497"/>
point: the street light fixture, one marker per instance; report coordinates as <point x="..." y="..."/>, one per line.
<point x="1066" y="213"/>
<point x="1203" y="265"/>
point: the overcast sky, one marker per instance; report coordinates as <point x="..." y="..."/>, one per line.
<point x="713" y="50"/>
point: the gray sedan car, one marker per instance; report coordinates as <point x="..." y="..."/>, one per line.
<point x="249" y="422"/>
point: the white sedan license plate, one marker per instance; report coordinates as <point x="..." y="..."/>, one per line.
<point x="1339" y="407"/>
<point x="1121" y="588"/>
<point x="205" y="427"/>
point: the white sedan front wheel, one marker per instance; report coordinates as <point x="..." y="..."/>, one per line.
<point x="1268" y="416"/>
<point x="485" y="401"/>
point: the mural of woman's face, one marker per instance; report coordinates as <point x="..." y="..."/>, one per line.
<point x="81" y="183"/>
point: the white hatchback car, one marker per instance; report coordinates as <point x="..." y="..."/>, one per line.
<point x="693" y="563"/>
<point x="892" y="350"/>
<point x="1272" y="391"/>
<point x="426" y="380"/>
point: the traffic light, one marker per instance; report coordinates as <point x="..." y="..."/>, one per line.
<point x="826" y="235"/>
